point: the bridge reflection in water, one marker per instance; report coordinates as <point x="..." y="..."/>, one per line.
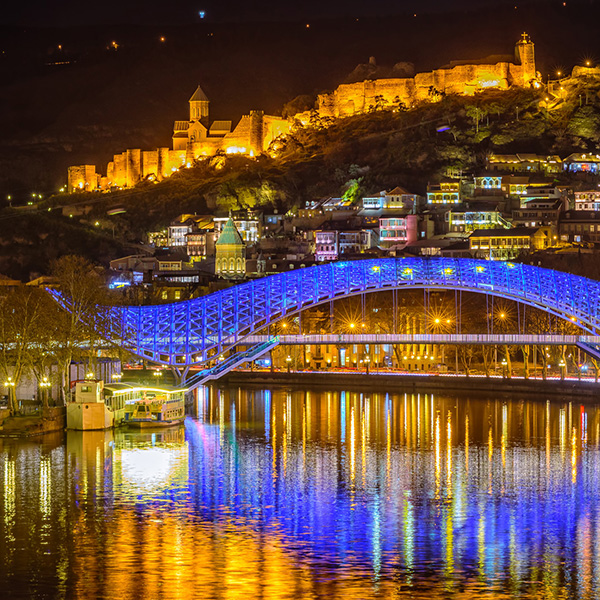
<point x="299" y="494"/>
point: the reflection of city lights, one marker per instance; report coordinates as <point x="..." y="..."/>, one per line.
<point x="145" y="470"/>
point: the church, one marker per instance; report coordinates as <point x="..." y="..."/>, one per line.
<point x="192" y="139"/>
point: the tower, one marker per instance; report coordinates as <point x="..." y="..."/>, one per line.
<point x="525" y="56"/>
<point x="199" y="107"/>
<point x="230" y="260"/>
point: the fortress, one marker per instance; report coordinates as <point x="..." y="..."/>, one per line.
<point x="192" y="139"/>
<point x="197" y="138"/>
<point x="459" y="77"/>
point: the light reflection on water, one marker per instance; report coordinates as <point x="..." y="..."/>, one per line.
<point x="307" y="494"/>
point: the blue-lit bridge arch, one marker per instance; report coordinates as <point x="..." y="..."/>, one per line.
<point x="191" y="332"/>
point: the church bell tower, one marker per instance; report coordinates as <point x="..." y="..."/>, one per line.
<point x="199" y="107"/>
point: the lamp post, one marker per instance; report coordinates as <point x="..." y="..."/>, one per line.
<point x="367" y="361"/>
<point x="157" y="374"/>
<point x="116" y="377"/>
<point x="288" y="360"/>
<point x="504" y="365"/>
<point x="563" y="368"/>
<point x="44" y="388"/>
<point x="10" y="385"/>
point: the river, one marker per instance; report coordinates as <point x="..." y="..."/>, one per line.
<point x="297" y="493"/>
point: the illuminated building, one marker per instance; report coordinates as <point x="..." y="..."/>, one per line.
<point x="192" y="139"/>
<point x="582" y="163"/>
<point x="460" y="77"/>
<point x="248" y="227"/>
<point x="396" y="199"/>
<point x="579" y="226"/>
<point x="537" y="213"/>
<point x="445" y="192"/>
<point x="331" y="244"/>
<point x="525" y="163"/>
<point x="460" y="221"/>
<point x="401" y="229"/>
<point x="507" y="244"/>
<point x="587" y="199"/>
<point x="230" y="260"/>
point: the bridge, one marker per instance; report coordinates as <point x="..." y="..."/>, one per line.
<point x="196" y="331"/>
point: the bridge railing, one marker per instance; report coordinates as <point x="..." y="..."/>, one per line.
<point x="429" y="338"/>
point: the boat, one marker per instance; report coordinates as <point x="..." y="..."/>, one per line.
<point x="94" y="406"/>
<point x="157" y="407"/>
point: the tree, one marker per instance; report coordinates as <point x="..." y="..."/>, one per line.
<point x="87" y="318"/>
<point x="22" y="322"/>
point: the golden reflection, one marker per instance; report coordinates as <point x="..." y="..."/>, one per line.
<point x="363" y="443"/>
<point x="171" y="513"/>
<point x="9" y="498"/>
<point x="548" y="438"/>
<point x="449" y="455"/>
<point x="45" y="486"/>
<point x="467" y="443"/>
<point x="388" y="437"/>
<point x="437" y="456"/>
<point x="352" y="445"/>
<point x="286" y="433"/>
<point x="574" y="456"/>
<point x="408" y="536"/>
<point x="562" y="424"/>
<point x="504" y="434"/>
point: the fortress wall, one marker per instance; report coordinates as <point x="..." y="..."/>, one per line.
<point x="392" y="91"/>
<point x="149" y="163"/>
<point x="82" y="177"/>
<point x="240" y="138"/>
<point x="120" y="170"/>
<point x="163" y="163"/>
<point x="355" y="98"/>
<point x="206" y="147"/>
<point x="256" y="131"/>
<point x="176" y="160"/>
<point x="133" y="165"/>
<point x="326" y="104"/>
<point x="273" y="127"/>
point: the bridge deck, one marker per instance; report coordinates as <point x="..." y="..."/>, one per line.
<point x="428" y="338"/>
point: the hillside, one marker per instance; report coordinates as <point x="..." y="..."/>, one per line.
<point x="358" y="155"/>
<point x="85" y="101"/>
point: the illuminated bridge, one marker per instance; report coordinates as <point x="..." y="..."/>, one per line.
<point x="195" y="331"/>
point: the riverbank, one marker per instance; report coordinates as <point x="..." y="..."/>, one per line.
<point x="585" y="390"/>
<point x="53" y="418"/>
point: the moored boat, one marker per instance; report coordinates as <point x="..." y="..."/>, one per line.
<point x="158" y="407"/>
<point x="94" y="407"/>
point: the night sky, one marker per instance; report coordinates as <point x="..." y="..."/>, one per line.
<point x="74" y="12"/>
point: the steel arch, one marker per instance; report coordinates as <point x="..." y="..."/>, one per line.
<point x="192" y="331"/>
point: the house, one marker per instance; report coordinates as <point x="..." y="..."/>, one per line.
<point x="446" y="192"/>
<point x="587" y="199"/>
<point x="460" y="221"/>
<point x="508" y="244"/>
<point x="579" y="226"/>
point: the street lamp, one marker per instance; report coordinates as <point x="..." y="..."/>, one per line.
<point x="562" y="366"/>
<point x="288" y="360"/>
<point x="504" y="368"/>
<point x="10" y="385"/>
<point x="89" y="375"/>
<point x="116" y="377"/>
<point x="44" y="385"/>
<point x="367" y="361"/>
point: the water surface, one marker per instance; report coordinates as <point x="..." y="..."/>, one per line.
<point x="311" y="494"/>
